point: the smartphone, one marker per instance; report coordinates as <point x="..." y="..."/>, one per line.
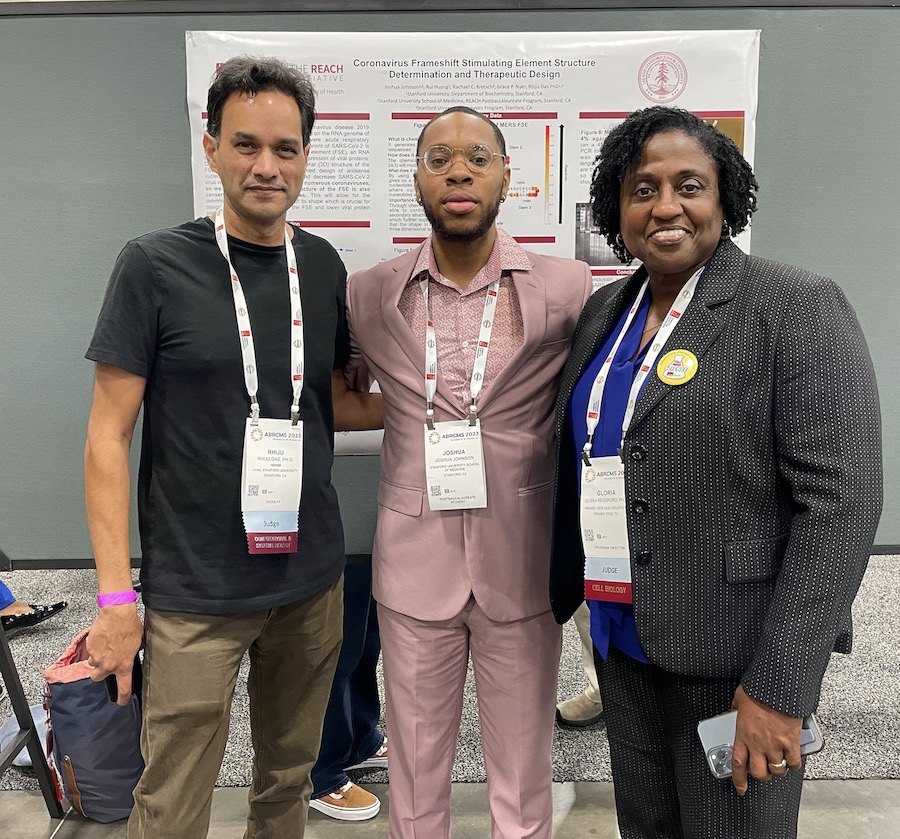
<point x="717" y="738"/>
<point x="137" y="681"/>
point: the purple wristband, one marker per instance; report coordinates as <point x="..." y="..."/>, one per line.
<point x="116" y="598"/>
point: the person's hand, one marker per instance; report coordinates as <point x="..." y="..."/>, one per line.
<point x="115" y="637"/>
<point x="766" y="742"/>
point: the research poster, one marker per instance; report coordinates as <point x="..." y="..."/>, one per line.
<point x="554" y="95"/>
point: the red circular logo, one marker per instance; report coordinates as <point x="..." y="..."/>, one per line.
<point x="662" y="77"/>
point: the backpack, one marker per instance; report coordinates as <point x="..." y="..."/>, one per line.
<point x="93" y="744"/>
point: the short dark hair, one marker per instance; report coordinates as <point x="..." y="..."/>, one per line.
<point x="463" y="109"/>
<point x="624" y="146"/>
<point x="255" y="74"/>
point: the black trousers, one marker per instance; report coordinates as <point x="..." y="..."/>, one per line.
<point x="663" y="786"/>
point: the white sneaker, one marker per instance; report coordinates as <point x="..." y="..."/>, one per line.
<point x="378" y="760"/>
<point x="348" y="804"/>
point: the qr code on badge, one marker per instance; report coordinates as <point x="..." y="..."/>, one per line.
<point x="589" y="535"/>
<point x="435" y="491"/>
<point x="253" y="489"/>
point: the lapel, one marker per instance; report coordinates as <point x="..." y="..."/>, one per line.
<point x="396" y="324"/>
<point x="531" y="292"/>
<point x="700" y="325"/>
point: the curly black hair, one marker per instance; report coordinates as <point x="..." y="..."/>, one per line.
<point x="624" y="147"/>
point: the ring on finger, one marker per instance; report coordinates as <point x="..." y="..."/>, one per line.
<point x="781" y="765"/>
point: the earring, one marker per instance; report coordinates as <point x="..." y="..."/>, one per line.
<point x="726" y="232"/>
<point x="502" y="198"/>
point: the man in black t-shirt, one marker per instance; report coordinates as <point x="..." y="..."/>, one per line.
<point x="200" y="352"/>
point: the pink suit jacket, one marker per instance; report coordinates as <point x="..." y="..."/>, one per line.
<point x="427" y="564"/>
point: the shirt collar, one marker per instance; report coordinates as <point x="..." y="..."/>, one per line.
<point x="506" y="255"/>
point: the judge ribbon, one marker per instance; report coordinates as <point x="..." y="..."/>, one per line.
<point x="272" y="462"/>
<point x="604" y="526"/>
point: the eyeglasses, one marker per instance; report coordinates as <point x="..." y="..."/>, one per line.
<point x="439" y="159"/>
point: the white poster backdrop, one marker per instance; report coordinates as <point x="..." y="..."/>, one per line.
<point x="554" y="95"/>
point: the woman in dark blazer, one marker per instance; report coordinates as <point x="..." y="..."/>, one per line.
<point x="726" y="407"/>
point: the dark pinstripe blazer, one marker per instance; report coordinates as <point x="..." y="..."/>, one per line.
<point x="753" y="490"/>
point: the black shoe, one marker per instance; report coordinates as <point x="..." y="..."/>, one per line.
<point x="38" y="614"/>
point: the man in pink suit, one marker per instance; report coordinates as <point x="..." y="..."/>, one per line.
<point x="466" y="336"/>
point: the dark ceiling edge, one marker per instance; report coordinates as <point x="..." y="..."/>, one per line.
<point x="261" y="7"/>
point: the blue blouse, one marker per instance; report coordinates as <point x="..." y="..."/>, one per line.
<point x="611" y="623"/>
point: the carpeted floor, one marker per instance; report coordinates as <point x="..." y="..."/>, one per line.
<point x="859" y="711"/>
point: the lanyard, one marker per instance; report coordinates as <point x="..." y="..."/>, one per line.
<point x="246" y="333"/>
<point x="481" y="351"/>
<point x="676" y="310"/>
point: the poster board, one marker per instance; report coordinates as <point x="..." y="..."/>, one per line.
<point x="554" y="95"/>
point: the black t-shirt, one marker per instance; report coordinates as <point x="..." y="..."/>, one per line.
<point x="168" y="316"/>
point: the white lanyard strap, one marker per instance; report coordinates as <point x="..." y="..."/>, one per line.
<point x="676" y="310"/>
<point x="481" y="351"/>
<point x="246" y="333"/>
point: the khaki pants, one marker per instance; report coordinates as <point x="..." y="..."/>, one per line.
<point x="191" y="666"/>
<point x="582" y="621"/>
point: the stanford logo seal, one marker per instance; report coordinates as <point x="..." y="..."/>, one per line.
<point x="662" y="77"/>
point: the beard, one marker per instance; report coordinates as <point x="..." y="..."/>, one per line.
<point x="471" y="234"/>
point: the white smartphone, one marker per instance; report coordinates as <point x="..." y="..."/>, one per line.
<point x="717" y="738"/>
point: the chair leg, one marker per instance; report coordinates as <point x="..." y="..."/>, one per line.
<point x="32" y="740"/>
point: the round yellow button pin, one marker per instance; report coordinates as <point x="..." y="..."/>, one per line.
<point x="677" y="367"/>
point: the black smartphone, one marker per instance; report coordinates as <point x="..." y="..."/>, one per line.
<point x="137" y="681"/>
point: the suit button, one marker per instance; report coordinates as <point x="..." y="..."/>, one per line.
<point x="644" y="558"/>
<point x="638" y="453"/>
<point x="640" y="507"/>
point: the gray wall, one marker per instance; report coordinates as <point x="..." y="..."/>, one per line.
<point x="96" y="150"/>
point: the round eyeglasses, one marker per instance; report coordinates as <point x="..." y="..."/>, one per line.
<point x="439" y="159"/>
